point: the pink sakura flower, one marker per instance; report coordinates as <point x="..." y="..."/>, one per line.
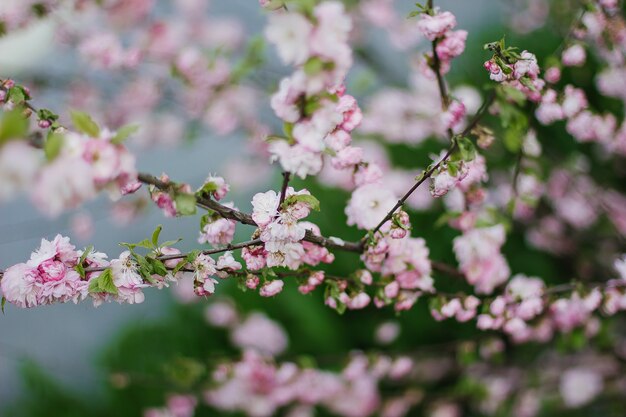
<point x="443" y="181"/>
<point x="406" y="300"/>
<point x="218" y="186"/>
<point x="219" y="231"/>
<point x="476" y="173"/>
<point x="433" y="27"/>
<point x="452" y="45"/>
<point x="454" y="115"/>
<point x="103" y="50"/>
<point x="330" y="37"/>
<point x="19" y="286"/>
<point x="574" y="56"/>
<point x="254" y="256"/>
<point x="348" y="157"/>
<point x="368" y="173"/>
<point x="495" y="72"/>
<point x="291" y="33"/>
<point x="271" y="288"/>
<point x="265" y="207"/>
<point x="552" y="75"/>
<point x="252" y="281"/>
<point x="260" y="333"/>
<point x="226" y="263"/>
<point x="368" y="205"/>
<point x="284" y="254"/>
<point x="338" y="140"/>
<point x="579" y="386"/>
<point x="284" y="101"/>
<point x="165" y="202"/>
<point x="63" y="184"/>
<point x="574" y="101"/>
<point x="352" y="115"/>
<point x="127" y="279"/>
<point x="296" y="159"/>
<point x="356" y="302"/>
<point x="549" y="110"/>
<point x="204" y="267"/>
<point x="181" y="405"/>
<point x="19" y="163"/>
<point x="526" y="66"/>
<point x="478" y="252"/>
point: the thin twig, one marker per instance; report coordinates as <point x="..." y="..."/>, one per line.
<point x="283" y="191"/>
<point x="245" y="218"/>
<point x="184" y="255"/>
<point x="427" y="174"/>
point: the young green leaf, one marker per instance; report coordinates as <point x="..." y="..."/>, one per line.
<point x="155" y="236"/>
<point x="85" y="124"/>
<point x="53" y="145"/>
<point x="123" y="133"/>
<point x="13" y="125"/>
<point x="185" y="204"/>
<point x="303" y="198"/>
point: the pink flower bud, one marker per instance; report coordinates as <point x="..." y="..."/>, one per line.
<point x="272" y="288"/>
<point x="252" y="281"/>
<point x="392" y="289"/>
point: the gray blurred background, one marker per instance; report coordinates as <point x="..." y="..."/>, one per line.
<point x="65" y="339"/>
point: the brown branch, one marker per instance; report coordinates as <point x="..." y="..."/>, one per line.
<point x="184" y="255"/>
<point x="283" y="191"/>
<point x="245" y="218"/>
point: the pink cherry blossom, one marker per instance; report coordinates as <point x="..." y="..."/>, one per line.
<point x="435" y="26"/>
<point x="368" y="205"/>
<point x="271" y="288"/>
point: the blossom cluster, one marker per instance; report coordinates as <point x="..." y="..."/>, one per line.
<point x="319" y="116"/>
<point x="260" y="384"/>
<point x="281" y="231"/>
<point x="75" y="168"/>
<point x="49" y="275"/>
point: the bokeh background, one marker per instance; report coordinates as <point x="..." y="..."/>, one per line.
<point x="58" y="360"/>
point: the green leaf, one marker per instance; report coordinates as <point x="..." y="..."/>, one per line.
<point x="53" y="145"/>
<point x="158" y="267"/>
<point x="45" y="114"/>
<point x="185" y="204"/>
<point x="85" y="124"/>
<point x="106" y="282"/>
<point x="303" y="198"/>
<point x="446" y="217"/>
<point x="170" y="242"/>
<point x="4" y="301"/>
<point x="155" y="235"/>
<point x="206" y="189"/>
<point x="192" y="255"/>
<point x="288" y="129"/>
<point x="184" y="372"/>
<point x="466" y="149"/>
<point x="94" y="286"/>
<point x="313" y="66"/>
<point x="80" y="269"/>
<point x="86" y="253"/>
<point x="147" y="244"/>
<point x="17" y="94"/>
<point x="123" y="133"/>
<point x="13" y="125"/>
<point x="103" y="283"/>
